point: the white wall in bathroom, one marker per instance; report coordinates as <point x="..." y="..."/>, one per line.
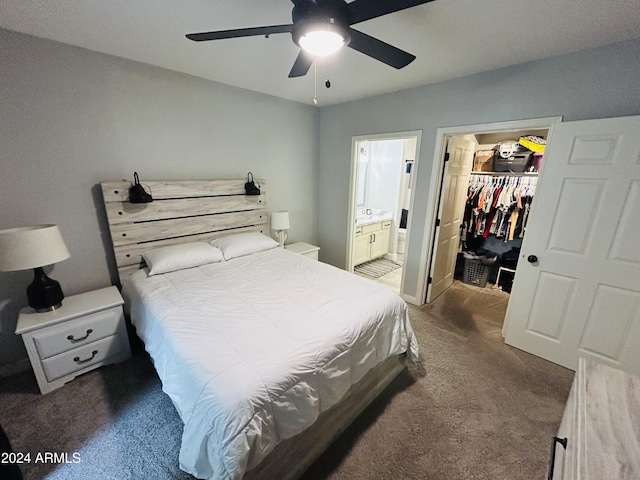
<point x="385" y="168"/>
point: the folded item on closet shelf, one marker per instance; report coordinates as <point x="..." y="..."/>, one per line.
<point x="483" y="161"/>
<point x="533" y="143"/>
<point x="506" y="148"/>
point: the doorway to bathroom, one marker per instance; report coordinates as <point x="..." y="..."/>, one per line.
<point x="382" y="178"/>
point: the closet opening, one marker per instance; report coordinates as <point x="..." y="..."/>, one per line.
<point x="487" y="178"/>
<point x="500" y="191"/>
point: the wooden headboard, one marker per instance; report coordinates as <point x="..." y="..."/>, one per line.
<point x="181" y="211"/>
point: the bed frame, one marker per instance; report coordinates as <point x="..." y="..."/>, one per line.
<point x="292" y="457"/>
<point x="185" y="211"/>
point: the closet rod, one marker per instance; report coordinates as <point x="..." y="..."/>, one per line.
<point x="507" y="174"/>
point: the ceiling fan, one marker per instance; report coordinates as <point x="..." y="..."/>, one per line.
<point x="321" y="27"/>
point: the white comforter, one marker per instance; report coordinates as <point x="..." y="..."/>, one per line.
<point x="253" y="349"/>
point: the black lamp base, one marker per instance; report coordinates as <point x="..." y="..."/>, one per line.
<point x="44" y="294"/>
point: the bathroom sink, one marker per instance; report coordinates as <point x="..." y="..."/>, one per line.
<point x="373" y="218"/>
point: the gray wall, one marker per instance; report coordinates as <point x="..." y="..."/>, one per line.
<point x="590" y="84"/>
<point x="71" y="118"/>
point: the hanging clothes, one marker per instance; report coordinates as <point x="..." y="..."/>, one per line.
<point x="498" y="205"/>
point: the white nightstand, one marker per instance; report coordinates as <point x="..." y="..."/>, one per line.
<point x="88" y="331"/>
<point x="305" y="249"/>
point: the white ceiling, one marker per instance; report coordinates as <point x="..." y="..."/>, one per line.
<point x="450" y="38"/>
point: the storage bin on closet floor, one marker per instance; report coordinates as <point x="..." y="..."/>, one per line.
<point x="475" y="272"/>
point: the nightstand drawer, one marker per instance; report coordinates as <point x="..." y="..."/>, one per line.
<point x="79" y="358"/>
<point x="61" y="338"/>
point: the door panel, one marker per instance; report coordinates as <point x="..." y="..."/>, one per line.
<point x="552" y="289"/>
<point x="361" y="249"/>
<point x="380" y="245"/>
<point x="619" y="307"/>
<point x="624" y="247"/>
<point x="454" y="191"/>
<point x="582" y="296"/>
<point x="575" y="213"/>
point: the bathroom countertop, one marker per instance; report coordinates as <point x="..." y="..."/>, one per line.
<point x="375" y="218"/>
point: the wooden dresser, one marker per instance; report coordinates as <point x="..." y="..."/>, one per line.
<point x="600" y="426"/>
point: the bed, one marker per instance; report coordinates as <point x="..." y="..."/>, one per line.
<point x="267" y="355"/>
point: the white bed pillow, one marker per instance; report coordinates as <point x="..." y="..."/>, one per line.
<point x="180" y="256"/>
<point x="240" y="244"/>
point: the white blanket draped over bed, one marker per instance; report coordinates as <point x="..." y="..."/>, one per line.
<point x="253" y="349"/>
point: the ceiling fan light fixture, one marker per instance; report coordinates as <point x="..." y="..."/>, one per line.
<point x="321" y="37"/>
<point x="322" y="43"/>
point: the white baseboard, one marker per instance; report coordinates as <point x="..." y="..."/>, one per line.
<point x="411" y="299"/>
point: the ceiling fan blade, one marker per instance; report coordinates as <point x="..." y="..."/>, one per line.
<point x="239" y="32"/>
<point x="302" y="64"/>
<point x="379" y="50"/>
<point x="361" y="10"/>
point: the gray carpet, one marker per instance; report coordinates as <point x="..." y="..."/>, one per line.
<point x="472" y="408"/>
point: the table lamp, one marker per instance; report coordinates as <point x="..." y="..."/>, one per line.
<point x="34" y="247"/>
<point x="280" y="223"/>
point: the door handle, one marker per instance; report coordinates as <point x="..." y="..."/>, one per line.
<point x="532" y="259"/>
<point x="552" y="462"/>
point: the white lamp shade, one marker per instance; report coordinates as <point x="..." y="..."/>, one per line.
<point x="23" y="248"/>
<point x="280" y="220"/>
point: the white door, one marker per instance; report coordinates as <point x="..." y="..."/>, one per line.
<point x="581" y="297"/>
<point x="455" y="183"/>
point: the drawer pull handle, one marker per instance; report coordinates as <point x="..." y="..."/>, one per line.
<point x="76" y="340"/>
<point x="552" y="462"/>
<point x="80" y="362"/>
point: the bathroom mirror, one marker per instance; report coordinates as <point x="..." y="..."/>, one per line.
<point x="362" y="184"/>
<point x="363" y="174"/>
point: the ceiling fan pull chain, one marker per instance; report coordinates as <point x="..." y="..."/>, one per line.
<point x="315" y="82"/>
<point x="327" y="82"/>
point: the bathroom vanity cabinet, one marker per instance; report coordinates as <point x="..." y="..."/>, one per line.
<point x="372" y="241"/>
